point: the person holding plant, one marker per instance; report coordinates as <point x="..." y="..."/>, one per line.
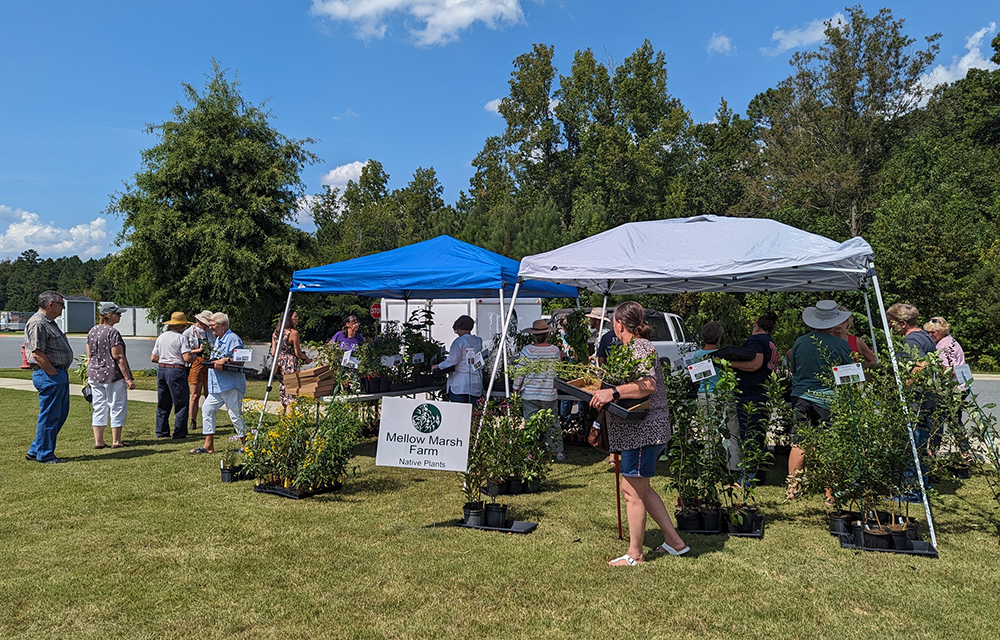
<point x="348" y="338"/>
<point x="288" y="354"/>
<point x="813" y="357"/>
<point x="224" y="387"/>
<point x="538" y="390"/>
<point x="641" y="442"/>
<point x="750" y="378"/>
<point x="109" y="376"/>
<point x="465" y="382"/>
<point x="198" y="337"/>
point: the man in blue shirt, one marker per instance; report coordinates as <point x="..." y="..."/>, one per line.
<point x="224" y="387"/>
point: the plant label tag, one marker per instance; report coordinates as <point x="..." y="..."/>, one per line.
<point x="848" y="373"/>
<point x="418" y="358"/>
<point x="391" y="361"/>
<point x="963" y="373"/>
<point x="349" y="360"/>
<point x="242" y="355"/>
<point x="701" y="370"/>
<point x="478" y="362"/>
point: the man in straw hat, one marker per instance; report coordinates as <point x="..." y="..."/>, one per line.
<point x="172" y="377"/>
<point x="537" y="389"/>
<point x="814" y="354"/>
<point x="194" y="337"/>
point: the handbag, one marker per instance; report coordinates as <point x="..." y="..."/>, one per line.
<point x="597" y="437"/>
<point x="88" y="394"/>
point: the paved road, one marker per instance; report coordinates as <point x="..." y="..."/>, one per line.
<point x="138" y="351"/>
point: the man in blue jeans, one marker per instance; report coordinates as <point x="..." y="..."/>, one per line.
<point x="50" y="356"/>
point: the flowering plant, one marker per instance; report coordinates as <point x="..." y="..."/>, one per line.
<point x="231" y="454"/>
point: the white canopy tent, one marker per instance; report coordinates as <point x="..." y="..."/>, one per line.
<point x="715" y="253"/>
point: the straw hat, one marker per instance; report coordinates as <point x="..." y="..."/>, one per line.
<point x="825" y="315"/>
<point x="595" y="313"/>
<point x="539" y="327"/>
<point x="177" y="318"/>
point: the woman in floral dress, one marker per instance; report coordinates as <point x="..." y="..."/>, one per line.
<point x="288" y="354"/>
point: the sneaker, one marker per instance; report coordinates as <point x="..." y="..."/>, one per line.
<point x="51" y="461"/>
<point x="560" y="457"/>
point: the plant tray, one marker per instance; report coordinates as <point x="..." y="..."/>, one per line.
<point x="723" y="530"/>
<point x="914" y="547"/>
<point x="294" y="494"/>
<point x="516" y="526"/>
<point x="572" y="387"/>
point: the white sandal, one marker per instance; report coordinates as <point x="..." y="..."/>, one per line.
<point x="629" y="561"/>
<point x="666" y="548"/>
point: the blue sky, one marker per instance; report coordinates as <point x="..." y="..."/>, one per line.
<point x="407" y="82"/>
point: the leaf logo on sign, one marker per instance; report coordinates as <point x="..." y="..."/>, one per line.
<point x="426" y="418"/>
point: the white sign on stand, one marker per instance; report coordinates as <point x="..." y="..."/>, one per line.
<point x="963" y="373"/>
<point x="848" y="373"/>
<point x="422" y="434"/>
<point x="701" y="370"/>
<point x="242" y="355"/>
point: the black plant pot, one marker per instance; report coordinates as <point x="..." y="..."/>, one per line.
<point x="710" y="519"/>
<point x="688" y="519"/>
<point x="384" y="385"/>
<point x="858" y="528"/>
<point x="532" y="486"/>
<point x="840" y="522"/>
<point x="515" y="486"/>
<point x="899" y="538"/>
<point x="960" y="471"/>
<point x="229" y="474"/>
<point x="496" y="488"/>
<point x="749" y="514"/>
<point x="474" y="514"/>
<point x="496" y="515"/>
<point x="878" y="538"/>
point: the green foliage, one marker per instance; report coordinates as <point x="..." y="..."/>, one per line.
<point x="623" y="366"/>
<point x="205" y="222"/>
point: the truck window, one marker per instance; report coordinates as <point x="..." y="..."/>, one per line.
<point x="661" y="332"/>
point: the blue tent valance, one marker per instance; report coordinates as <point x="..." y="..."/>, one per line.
<point x="439" y="268"/>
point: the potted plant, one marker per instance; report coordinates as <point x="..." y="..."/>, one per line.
<point x="230" y="462"/>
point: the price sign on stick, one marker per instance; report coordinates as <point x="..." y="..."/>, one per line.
<point x="417" y="358"/>
<point x="349" y="360"/>
<point x="848" y="373"/>
<point x="242" y="355"/>
<point x="701" y="370"/>
<point x="963" y="373"/>
<point x="392" y="361"/>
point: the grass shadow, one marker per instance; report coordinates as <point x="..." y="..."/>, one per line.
<point x="126" y="453"/>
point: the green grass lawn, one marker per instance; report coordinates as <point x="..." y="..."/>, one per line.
<point x="145" y="542"/>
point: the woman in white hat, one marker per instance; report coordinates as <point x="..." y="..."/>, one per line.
<point x="537" y="390"/>
<point x="814" y="354"/>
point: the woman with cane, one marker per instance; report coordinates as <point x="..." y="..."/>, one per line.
<point x="641" y="442"/>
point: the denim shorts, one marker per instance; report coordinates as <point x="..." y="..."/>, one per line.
<point x="641" y="463"/>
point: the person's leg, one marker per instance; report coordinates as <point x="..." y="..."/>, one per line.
<point x="119" y="410"/>
<point x="56" y="415"/>
<point x="648" y="457"/>
<point x="181" y="396"/>
<point x="101" y="412"/>
<point x="554" y="433"/>
<point x="163" y="403"/>
<point x="750" y="414"/>
<point x="193" y="406"/>
<point x="234" y="405"/>
<point x="41" y="382"/>
<point x="209" y="408"/>
<point x="635" y="510"/>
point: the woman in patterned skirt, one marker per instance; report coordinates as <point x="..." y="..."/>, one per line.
<point x="288" y="355"/>
<point x="641" y="442"/>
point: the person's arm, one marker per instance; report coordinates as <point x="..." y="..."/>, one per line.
<point x="118" y="353"/>
<point x="630" y="390"/>
<point x="867" y="353"/>
<point x="749" y="365"/>
<point x="156" y="352"/>
<point x="44" y="363"/>
<point x="452" y="360"/>
<point x="294" y="337"/>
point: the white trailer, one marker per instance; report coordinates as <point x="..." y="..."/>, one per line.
<point x="485" y="311"/>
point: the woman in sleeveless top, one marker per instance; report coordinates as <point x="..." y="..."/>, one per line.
<point x="858" y="345"/>
<point x="288" y="354"/>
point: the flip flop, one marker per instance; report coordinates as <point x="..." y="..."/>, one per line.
<point x="666" y="548"/>
<point x="629" y="561"/>
<point x="100" y="446"/>
<point x="200" y="450"/>
<point x="118" y="446"/>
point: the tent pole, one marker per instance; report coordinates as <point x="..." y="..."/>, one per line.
<point x="506" y="371"/>
<point x="906" y="408"/>
<point x="604" y="314"/>
<point x="871" y="325"/>
<point x="274" y="358"/>
<point x="496" y="361"/>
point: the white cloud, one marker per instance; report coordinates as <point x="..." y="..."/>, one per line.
<point x="720" y="43"/>
<point x="26" y="231"/>
<point x="349" y="113"/>
<point x="340" y="176"/>
<point x="973" y="59"/>
<point x="441" y="20"/>
<point x="493" y="106"/>
<point x="801" y="37"/>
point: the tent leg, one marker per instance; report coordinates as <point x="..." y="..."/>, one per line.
<point x="604" y="314"/>
<point x="871" y="325"/>
<point x="496" y="363"/>
<point x="274" y="358"/>
<point x="506" y="370"/>
<point x="902" y="399"/>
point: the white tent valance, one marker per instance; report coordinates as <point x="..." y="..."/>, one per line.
<point x="705" y="253"/>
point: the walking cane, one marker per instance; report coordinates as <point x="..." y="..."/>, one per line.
<point x="618" y="494"/>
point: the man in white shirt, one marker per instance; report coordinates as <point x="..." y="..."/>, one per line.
<point x="172" y="377"/>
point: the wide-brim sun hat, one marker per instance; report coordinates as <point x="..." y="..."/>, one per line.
<point x="205" y="316"/>
<point x="177" y="318"/>
<point x="825" y="315"/>
<point x="539" y="327"/>
<point x="595" y="313"/>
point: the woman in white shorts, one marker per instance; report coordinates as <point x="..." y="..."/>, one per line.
<point x="109" y="376"/>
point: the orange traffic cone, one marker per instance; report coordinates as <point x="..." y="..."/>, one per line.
<point x="24" y="358"/>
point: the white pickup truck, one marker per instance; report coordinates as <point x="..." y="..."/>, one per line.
<point x="668" y="336"/>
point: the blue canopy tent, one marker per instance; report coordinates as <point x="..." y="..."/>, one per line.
<point x="439" y="268"/>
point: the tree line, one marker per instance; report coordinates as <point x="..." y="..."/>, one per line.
<point x="852" y="142"/>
